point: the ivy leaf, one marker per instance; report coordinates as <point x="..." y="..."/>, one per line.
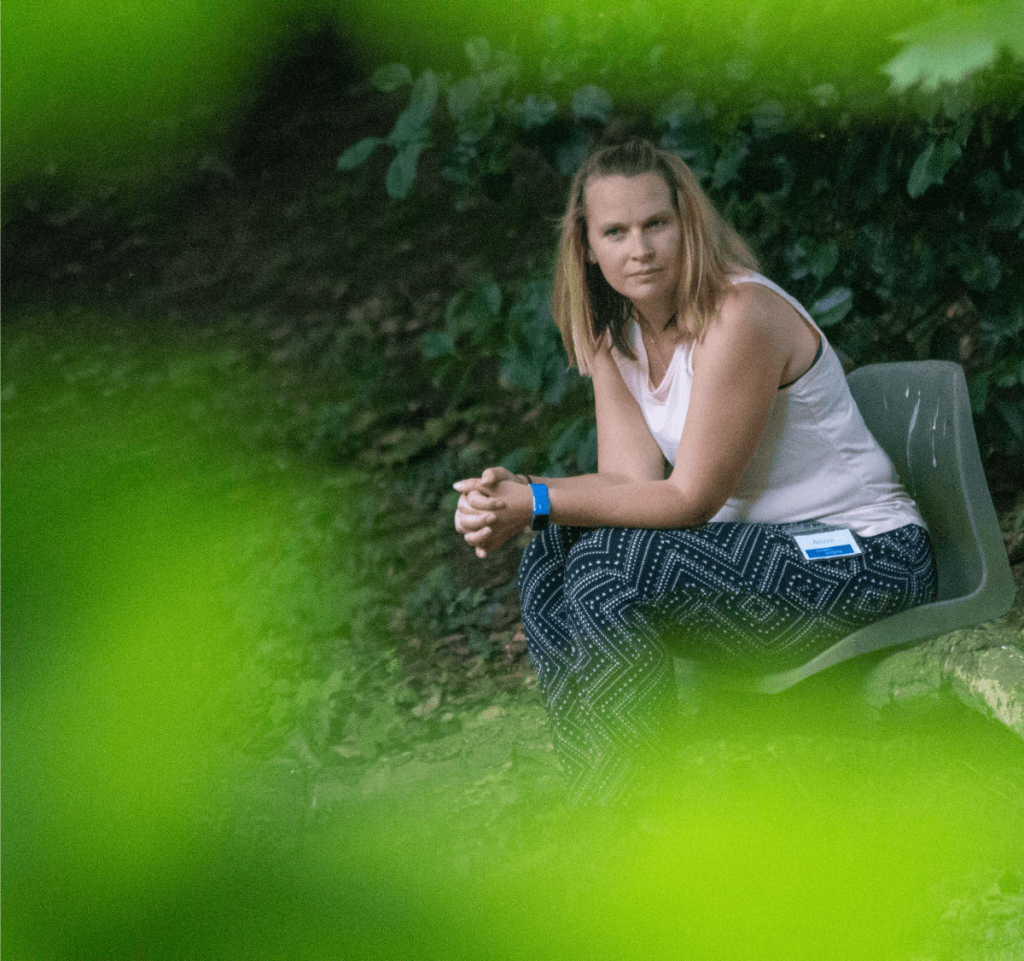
<point x="591" y="103"/>
<point x="833" y="307"/>
<point x="402" y="172"/>
<point x="1013" y="414"/>
<point x="982" y="270"/>
<point x="358" y="152"/>
<point x="932" y="165"/>
<point x="388" y="79"/>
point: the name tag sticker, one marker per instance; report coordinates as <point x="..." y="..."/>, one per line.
<point x="827" y="544"/>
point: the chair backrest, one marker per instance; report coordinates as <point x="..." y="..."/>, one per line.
<point x="920" y="413"/>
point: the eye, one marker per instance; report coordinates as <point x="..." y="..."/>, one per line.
<point x="612" y="231"/>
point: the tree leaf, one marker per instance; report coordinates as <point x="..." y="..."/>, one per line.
<point x="390" y="78"/>
<point x="833" y="307"/>
<point x="824" y="259"/>
<point x="591" y="103"/>
<point x="769" y="119"/>
<point x="357" y="153"/>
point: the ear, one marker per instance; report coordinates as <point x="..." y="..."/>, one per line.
<point x="591" y="256"/>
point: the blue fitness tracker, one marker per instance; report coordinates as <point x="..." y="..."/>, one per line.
<point x="541" y="507"/>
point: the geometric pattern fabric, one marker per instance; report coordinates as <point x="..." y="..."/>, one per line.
<point x="606" y="609"/>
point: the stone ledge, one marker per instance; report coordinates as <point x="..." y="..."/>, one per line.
<point x="982" y="666"/>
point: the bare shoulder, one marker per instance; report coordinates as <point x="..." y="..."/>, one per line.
<point x="748" y="314"/>
<point x="757" y="308"/>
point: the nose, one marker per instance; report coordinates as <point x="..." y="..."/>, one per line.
<point x="641" y="245"/>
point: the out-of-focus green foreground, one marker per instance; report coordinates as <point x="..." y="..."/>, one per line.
<point x="122" y="592"/>
<point x="110" y="91"/>
<point x="124" y="582"/>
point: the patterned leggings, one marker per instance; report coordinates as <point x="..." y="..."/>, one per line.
<point x="606" y="609"/>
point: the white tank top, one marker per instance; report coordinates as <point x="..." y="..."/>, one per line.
<point x="817" y="459"/>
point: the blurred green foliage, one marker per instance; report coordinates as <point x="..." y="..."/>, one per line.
<point x="112" y="93"/>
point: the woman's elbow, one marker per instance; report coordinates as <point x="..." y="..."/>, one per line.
<point x="696" y="505"/>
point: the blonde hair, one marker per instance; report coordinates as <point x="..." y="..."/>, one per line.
<point x="583" y="303"/>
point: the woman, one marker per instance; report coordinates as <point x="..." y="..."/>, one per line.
<point x="699" y="361"/>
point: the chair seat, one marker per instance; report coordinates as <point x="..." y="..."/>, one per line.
<point x="920" y="413"/>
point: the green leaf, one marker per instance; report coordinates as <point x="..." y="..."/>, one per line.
<point x="470" y="111"/>
<point x="769" y="119"/>
<point x="833" y="307"/>
<point x="591" y="103"/>
<point x="358" y="152"/>
<point x="438" y="344"/>
<point x="950" y="47"/>
<point x="727" y="168"/>
<point x="1010" y="212"/>
<point x="478" y="52"/>
<point x="536" y="112"/>
<point x="932" y="165"/>
<point x="390" y="78"/>
<point x="464" y="98"/>
<point x="932" y="67"/>
<point x="982" y="270"/>
<point x="402" y="172"/>
<point x="413" y="124"/>
<point x="824" y="259"/>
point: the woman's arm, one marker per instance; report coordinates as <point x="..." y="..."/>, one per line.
<point x="738" y="367"/>
<point x="627" y="453"/>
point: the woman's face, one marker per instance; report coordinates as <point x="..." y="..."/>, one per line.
<point x="634" y="234"/>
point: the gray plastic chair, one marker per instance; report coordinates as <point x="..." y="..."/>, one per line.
<point x="921" y="415"/>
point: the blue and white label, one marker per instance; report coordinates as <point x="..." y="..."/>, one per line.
<point x="827" y="544"/>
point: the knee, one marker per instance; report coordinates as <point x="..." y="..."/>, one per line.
<point x="600" y="555"/>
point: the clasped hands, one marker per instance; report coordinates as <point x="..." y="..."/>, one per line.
<point x="493" y="508"/>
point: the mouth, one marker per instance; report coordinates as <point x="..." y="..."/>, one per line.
<point x="646" y="273"/>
